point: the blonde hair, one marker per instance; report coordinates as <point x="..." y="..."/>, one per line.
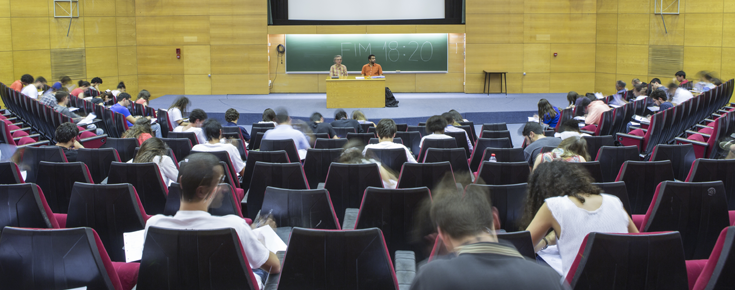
<point x="358" y="115"/>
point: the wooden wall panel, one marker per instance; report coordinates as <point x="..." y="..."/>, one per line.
<point x="196" y="60"/>
<point x="5" y="35"/>
<point x="729" y="6"/>
<point x="295" y="83"/>
<point x="728" y="25"/>
<point x="475" y="83"/>
<point x="159" y="60"/>
<point x="58" y="30"/>
<point x="237" y="7"/>
<point x="495" y="6"/>
<point x="634" y="6"/>
<point x="633" y="29"/>
<point x="126" y="33"/>
<point x="703" y="29"/>
<point x="559" y="28"/>
<point x="4" y="8"/>
<point x="728" y="57"/>
<point x="607" y="28"/>
<point x="246" y="29"/>
<point x="534" y="83"/>
<point x="607" y="6"/>
<point x="603" y="81"/>
<point x="30" y="8"/>
<point x="673" y="34"/>
<point x="391" y="29"/>
<point x="439" y="83"/>
<point x="101" y="62"/>
<point x="127" y="60"/>
<point x="565" y="82"/>
<point x="440" y="29"/>
<point x="456" y="52"/>
<point x="159" y="85"/>
<point x="494" y="28"/>
<point x="6" y="68"/>
<point x="702" y="58"/>
<point x="98" y="8"/>
<point x="339" y="29"/>
<point x="283" y="29"/>
<point x="100" y="31"/>
<point x="197" y="85"/>
<point x="239" y="59"/>
<point x="496" y="57"/>
<point x="401" y="83"/>
<point x="578" y="58"/>
<point x="172" y="30"/>
<point x="125" y="7"/>
<point x="322" y="83"/>
<point x="131" y="84"/>
<point x="560" y="6"/>
<point x="34" y="62"/>
<point x="632" y="59"/>
<point x="703" y="6"/>
<point x="30" y="33"/>
<point x="606" y="58"/>
<point x="537" y="57"/>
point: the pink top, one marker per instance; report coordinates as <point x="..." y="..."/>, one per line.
<point x="556" y="155"/>
<point x="594" y="112"/>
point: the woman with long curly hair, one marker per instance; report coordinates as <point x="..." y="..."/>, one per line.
<point x="155" y="150"/>
<point x="561" y="198"/>
<point x="141" y="130"/>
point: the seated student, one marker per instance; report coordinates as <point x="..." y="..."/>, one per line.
<point x="213" y="131"/>
<point x="535" y="139"/>
<point x="435" y="125"/>
<point x="684" y="83"/>
<point x="573" y="149"/>
<point x="457" y="117"/>
<point x="269" y="116"/>
<point x="284" y="130"/>
<point x="231" y="116"/>
<point x="154" y="150"/>
<point x="704" y="83"/>
<point x="96" y="82"/>
<point x="659" y="99"/>
<point x="619" y="99"/>
<point x="570" y="205"/>
<point x="639" y="92"/>
<point x="317" y="125"/>
<point x="450" y="128"/>
<point x="31" y="90"/>
<point x="580" y="106"/>
<point x="62" y="101"/>
<point x="359" y="116"/>
<point x="141" y="130"/>
<point x="572" y="97"/>
<point x="123" y="102"/>
<point x="570" y="128"/>
<point x="352" y="154"/>
<point x="466" y="225"/>
<point x="199" y="184"/>
<point x="66" y="138"/>
<point x="24" y="80"/>
<point x="101" y="98"/>
<point x="120" y="89"/>
<point x="340" y="120"/>
<point x="386" y="130"/>
<point x="177" y="110"/>
<point x="143" y="97"/>
<point x="107" y="99"/>
<point x="595" y="110"/>
<point x="83" y="86"/>
<point x="548" y="114"/>
<point x="196" y="119"/>
<point x="635" y="82"/>
<point x="678" y="94"/>
<point x="49" y="97"/>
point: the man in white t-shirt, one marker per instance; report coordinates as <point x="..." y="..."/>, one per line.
<point x="386" y="130"/>
<point x="213" y="132"/>
<point x="31" y="90"/>
<point x="199" y="182"/>
<point x="450" y="128"/>
<point x="196" y="119"/>
<point x="678" y="95"/>
<point x="435" y="125"/>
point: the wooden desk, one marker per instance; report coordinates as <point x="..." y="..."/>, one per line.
<point x="352" y="93"/>
<point x="503" y="78"/>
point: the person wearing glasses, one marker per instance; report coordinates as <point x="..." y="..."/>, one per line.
<point x="338" y="69"/>
<point x="200" y="183"/>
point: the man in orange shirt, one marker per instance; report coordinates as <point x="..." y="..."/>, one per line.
<point x="25" y="80"/>
<point x="372" y="68"/>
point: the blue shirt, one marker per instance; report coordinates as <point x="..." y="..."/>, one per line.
<point x="551" y="121"/>
<point x="287" y="132"/>
<point x="665" y="105"/>
<point x="243" y="131"/>
<point x="117" y="108"/>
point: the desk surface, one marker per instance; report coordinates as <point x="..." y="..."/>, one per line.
<point x="353" y="93"/>
<point x="353" y="78"/>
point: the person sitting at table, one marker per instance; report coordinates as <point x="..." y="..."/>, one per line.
<point x="681" y="77"/>
<point x="317" y="125"/>
<point x="436" y="125"/>
<point x="619" y="99"/>
<point x="360" y="117"/>
<point x="372" y="68"/>
<point x="639" y="92"/>
<point x="341" y="120"/>
<point x="451" y="128"/>
<point x="678" y="94"/>
<point x="338" y="69"/>
<point x="62" y="101"/>
<point x="547" y="113"/>
<point x="659" y="99"/>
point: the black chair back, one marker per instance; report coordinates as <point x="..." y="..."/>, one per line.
<point x="681" y="157"/>
<point x="423" y="174"/>
<point x="304" y="208"/>
<point x="617" y="189"/>
<point x="189" y="135"/>
<point x="23" y="205"/>
<point x="125" y="147"/>
<point x="32" y="157"/>
<point x="346" y="184"/>
<point x="181" y="147"/>
<point x="98" y="161"/>
<point x="509" y="199"/>
<point x="58" y="181"/>
<point x="435" y="143"/>
<point x="316" y="164"/>
<point x="499" y="173"/>
<point x="281" y="175"/>
<point x="146" y="178"/>
<point x="611" y="158"/>
<point x="286" y="144"/>
<point x="392" y="158"/>
<point x="716" y="169"/>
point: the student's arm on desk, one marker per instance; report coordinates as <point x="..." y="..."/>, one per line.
<point x="272" y="265"/>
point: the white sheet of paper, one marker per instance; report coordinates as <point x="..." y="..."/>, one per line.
<point x="87" y="120"/>
<point x="641" y="119"/>
<point x="614" y="106"/>
<point x="377" y="77"/>
<point x="79" y="288"/>
<point x="302" y="154"/>
<point x="533" y="119"/>
<point x="552" y="257"/>
<point x="72" y="109"/>
<point x="24" y="174"/>
<point x="133" y="245"/>
<point x="654" y="109"/>
<point x="270" y="239"/>
<point x="579" y="118"/>
<point x="359" y="78"/>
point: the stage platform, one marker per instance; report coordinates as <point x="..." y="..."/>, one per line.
<point x="413" y="107"/>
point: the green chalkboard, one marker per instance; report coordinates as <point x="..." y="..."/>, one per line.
<point x="416" y="52"/>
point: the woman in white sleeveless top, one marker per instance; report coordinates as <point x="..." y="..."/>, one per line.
<point x="572" y="207"/>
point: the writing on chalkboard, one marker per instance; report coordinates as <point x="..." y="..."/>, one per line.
<point x="389" y="48"/>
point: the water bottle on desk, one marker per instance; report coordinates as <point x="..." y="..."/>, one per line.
<point x="492" y="158"/>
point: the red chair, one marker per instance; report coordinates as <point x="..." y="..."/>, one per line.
<point x="57" y="180"/>
<point x="10" y="173"/>
<point x="76" y="259"/>
<point x="715" y="272"/>
<point x="24" y="205"/>
<point x="713" y="170"/>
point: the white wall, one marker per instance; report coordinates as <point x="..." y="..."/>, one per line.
<point x="336" y="10"/>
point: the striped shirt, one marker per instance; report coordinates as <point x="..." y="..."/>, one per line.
<point x="340" y="71"/>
